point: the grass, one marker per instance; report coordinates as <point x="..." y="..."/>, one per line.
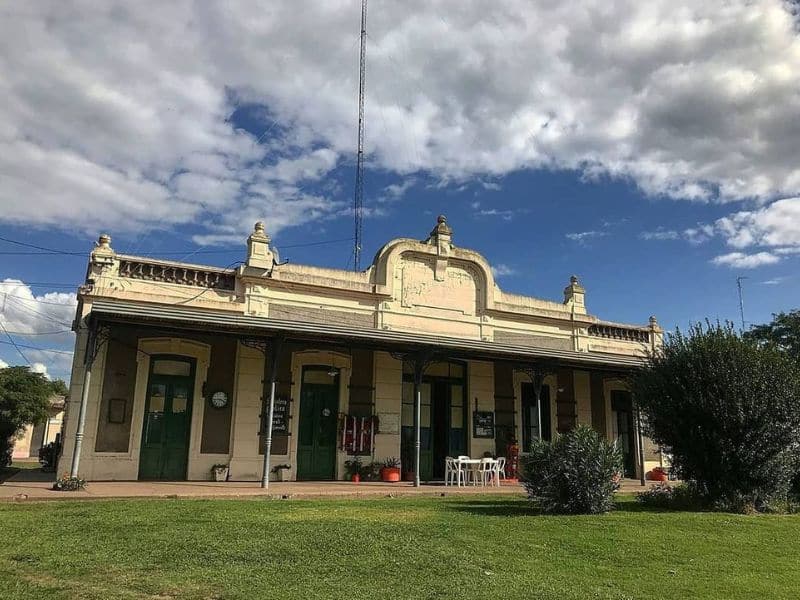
<point x="486" y="547"/>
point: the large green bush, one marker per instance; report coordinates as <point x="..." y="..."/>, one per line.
<point x="577" y="473"/>
<point x="728" y="412"/>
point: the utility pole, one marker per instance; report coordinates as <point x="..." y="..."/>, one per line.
<point x="741" y="301"/>
<point x="358" y="197"/>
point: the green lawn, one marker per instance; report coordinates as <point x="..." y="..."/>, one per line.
<point x="489" y="547"/>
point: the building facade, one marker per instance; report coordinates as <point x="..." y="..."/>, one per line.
<point x="181" y="359"/>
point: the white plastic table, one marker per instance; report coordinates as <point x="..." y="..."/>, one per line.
<point x="471" y="466"/>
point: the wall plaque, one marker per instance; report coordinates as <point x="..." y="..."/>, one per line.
<point x="483" y="424"/>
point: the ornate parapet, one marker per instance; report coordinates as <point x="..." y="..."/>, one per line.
<point x="620" y="332"/>
<point x="137" y="268"/>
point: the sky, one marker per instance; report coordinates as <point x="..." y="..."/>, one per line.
<point x="651" y="149"/>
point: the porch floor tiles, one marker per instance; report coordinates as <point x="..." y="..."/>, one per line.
<point x="21" y="488"/>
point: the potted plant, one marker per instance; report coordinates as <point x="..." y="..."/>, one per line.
<point x="372" y="471"/>
<point x="220" y="472"/>
<point x="390" y="470"/>
<point x="353" y="469"/>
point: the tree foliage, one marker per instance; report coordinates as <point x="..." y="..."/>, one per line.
<point x="577" y="473"/>
<point x="783" y="332"/>
<point x="727" y="409"/>
<point x="24" y="399"/>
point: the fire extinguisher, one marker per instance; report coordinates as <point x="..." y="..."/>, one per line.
<point x="512" y="460"/>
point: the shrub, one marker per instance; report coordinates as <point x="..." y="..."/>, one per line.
<point x="577" y="473"/>
<point x="675" y="497"/>
<point x="727" y="411"/>
<point x="69" y="484"/>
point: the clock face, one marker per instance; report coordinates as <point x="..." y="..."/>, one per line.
<point x="219" y="399"/>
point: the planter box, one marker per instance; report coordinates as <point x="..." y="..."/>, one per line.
<point x="220" y="474"/>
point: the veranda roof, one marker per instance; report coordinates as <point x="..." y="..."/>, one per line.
<point x="198" y="319"/>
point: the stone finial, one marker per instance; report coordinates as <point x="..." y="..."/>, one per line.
<point x="575" y="295"/>
<point x="653" y="321"/>
<point x="103" y="260"/>
<point x="259" y="254"/>
<point x="103" y="252"/>
<point x="441" y="236"/>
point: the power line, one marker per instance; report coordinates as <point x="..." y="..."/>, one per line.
<point x="13" y="343"/>
<point x="32" y="333"/>
<point x="53" y="251"/>
<point x="18" y="346"/>
<point x="39" y="284"/>
<point x="36" y="312"/>
<point x="36" y="300"/>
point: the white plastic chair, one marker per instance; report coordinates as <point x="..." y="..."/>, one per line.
<point x="466" y="468"/>
<point x="501" y="468"/>
<point x="453" y="472"/>
<point x="486" y="470"/>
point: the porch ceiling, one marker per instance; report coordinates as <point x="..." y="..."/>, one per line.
<point x="196" y="319"/>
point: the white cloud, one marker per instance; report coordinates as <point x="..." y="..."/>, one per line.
<point x="739" y="260"/>
<point x="38" y="367"/>
<point x="583" y="237"/>
<point x="122" y="110"/>
<point x="699" y="234"/>
<point x="396" y="191"/>
<point x="775" y="225"/>
<point x="502" y="270"/>
<point x="47" y="316"/>
<point x="506" y="214"/>
<point x="3" y="364"/>
<point x="660" y="234"/>
<point x="774" y="281"/>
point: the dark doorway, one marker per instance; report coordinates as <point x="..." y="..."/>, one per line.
<point x="167" y="419"/>
<point x="443" y="429"/>
<point x="319" y="408"/>
<point x="530" y="416"/>
<point x="622" y="408"/>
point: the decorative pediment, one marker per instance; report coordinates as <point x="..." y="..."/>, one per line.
<point x="434" y="274"/>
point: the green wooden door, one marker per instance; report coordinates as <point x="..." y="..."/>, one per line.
<point x="316" y="444"/>
<point x="167" y="422"/>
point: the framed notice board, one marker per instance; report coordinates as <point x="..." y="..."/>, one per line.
<point x="483" y="424"/>
<point x="280" y="416"/>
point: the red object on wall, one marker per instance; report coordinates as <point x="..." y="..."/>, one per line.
<point x="357" y="434"/>
<point x="512" y="461"/>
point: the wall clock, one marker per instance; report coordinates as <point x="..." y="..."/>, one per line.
<point x="219" y="399"/>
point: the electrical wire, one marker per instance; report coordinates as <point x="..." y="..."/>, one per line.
<point x="18" y="346"/>
<point x="13" y="343"/>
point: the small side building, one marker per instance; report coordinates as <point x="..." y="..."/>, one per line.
<point x="33" y="437"/>
<point x="182" y="359"/>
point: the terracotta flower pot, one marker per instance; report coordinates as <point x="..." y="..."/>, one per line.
<point x="657" y="475"/>
<point x="355" y="478"/>
<point x="390" y="474"/>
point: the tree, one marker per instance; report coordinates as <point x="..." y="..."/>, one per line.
<point x="727" y="409"/>
<point x="58" y="387"/>
<point x="783" y="332"/>
<point x="24" y="400"/>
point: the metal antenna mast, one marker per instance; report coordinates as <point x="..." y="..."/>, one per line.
<point x="358" y="197"/>
<point x="741" y="302"/>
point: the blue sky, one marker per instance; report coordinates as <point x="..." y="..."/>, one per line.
<point x="649" y="149"/>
